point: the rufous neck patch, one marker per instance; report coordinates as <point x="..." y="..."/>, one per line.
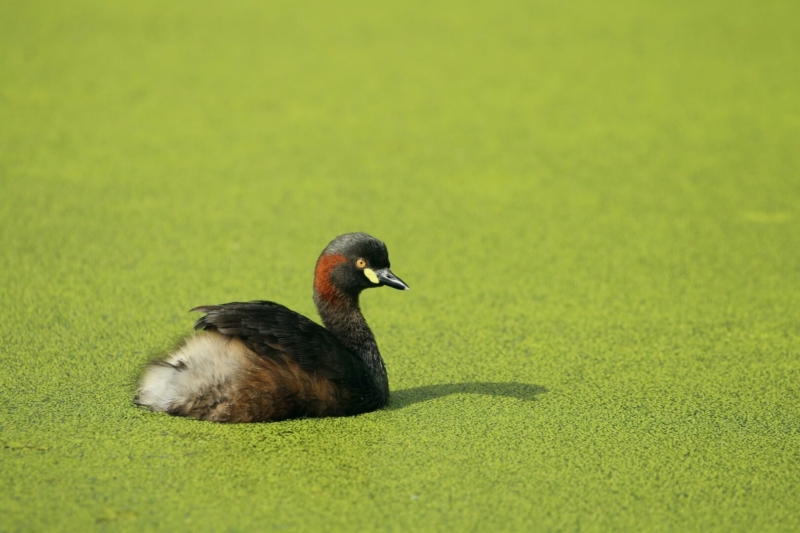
<point x="322" y="275"/>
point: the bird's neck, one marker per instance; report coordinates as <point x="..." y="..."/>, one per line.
<point x="342" y="316"/>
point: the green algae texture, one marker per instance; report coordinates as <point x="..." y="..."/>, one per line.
<point x="596" y="205"/>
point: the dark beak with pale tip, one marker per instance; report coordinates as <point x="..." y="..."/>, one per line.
<point x="386" y="277"/>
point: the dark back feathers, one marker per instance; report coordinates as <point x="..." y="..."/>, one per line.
<point x="275" y="332"/>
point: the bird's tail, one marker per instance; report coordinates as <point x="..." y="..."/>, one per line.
<point x="197" y="381"/>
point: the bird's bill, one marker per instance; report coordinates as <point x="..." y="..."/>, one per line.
<point x="386" y="277"/>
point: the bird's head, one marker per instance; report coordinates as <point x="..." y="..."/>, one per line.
<point x="351" y="263"/>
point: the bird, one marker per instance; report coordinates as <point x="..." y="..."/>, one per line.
<point x="260" y="361"/>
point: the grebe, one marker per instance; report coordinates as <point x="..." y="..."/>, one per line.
<point x="258" y="361"/>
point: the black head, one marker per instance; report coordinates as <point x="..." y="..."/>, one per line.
<point x="353" y="262"/>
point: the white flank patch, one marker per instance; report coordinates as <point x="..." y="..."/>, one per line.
<point x="209" y="358"/>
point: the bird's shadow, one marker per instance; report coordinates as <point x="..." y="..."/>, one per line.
<point x="523" y="391"/>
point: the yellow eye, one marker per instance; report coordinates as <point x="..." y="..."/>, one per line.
<point x="360" y="263"/>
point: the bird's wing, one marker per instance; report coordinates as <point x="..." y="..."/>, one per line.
<point x="274" y="331"/>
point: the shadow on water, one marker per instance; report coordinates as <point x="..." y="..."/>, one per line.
<point x="523" y="391"/>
